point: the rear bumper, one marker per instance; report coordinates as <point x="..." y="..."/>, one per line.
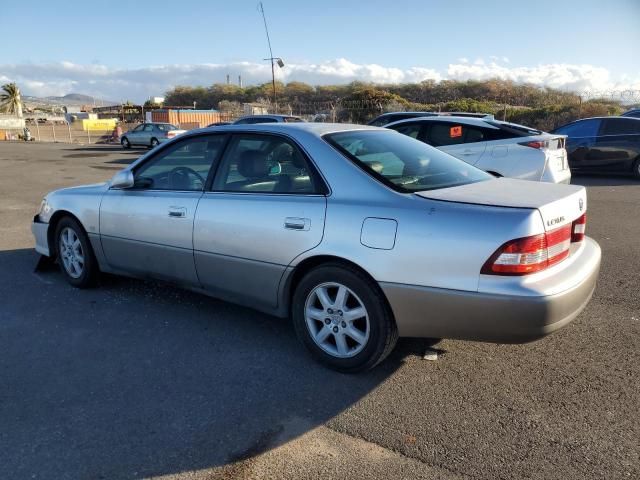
<point x="40" y="231"/>
<point x="439" y="313"/>
<point x="563" y="176"/>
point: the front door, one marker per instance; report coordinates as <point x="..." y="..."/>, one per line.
<point x="147" y="230"/>
<point x="266" y="206"/>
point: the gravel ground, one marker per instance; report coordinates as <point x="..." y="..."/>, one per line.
<point x="138" y="379"/>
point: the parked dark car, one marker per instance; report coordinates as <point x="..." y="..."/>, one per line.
<point x="634" y="113"/>
<point x="603" y="145"/>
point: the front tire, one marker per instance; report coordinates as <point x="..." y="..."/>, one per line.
<point x="341" y="316"/>
<point x="125" y="143"/>
<point x="75" y="255"/>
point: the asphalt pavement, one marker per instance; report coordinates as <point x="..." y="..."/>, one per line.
<point x="138" y="379"/>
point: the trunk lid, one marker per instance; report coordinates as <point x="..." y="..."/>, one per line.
<point x="558" y="205"/>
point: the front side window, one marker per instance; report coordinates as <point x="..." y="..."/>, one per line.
<point x="183" y="166"/>
<point x="148" y="128"/>
<point x="138" y="128"/>
<point x="265" y="164"/>
<point x="409" y="129"/>
<point x="621" y="126"/>
<point x="404" y="164"/>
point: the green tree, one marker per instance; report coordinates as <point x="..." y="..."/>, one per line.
<point x="10" y="99"/>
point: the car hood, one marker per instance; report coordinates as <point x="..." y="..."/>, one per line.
<point x="82" y="189"/>
<point x="558" y="204"/>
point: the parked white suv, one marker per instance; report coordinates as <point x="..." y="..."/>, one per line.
<point x="501" y="148"/>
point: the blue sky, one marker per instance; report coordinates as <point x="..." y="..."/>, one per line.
<point x="129" y="50"/>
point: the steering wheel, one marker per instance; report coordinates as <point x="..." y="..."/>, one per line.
<point x="179" y="178"/>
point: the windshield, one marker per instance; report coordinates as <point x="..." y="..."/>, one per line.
<point x="166" y="127"/>
<point x="405" y="164"/>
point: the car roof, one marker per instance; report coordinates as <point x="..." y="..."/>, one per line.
<point x="268" y="115"/>
<point x="317" y="129"/>
<point x="478" y="122"/>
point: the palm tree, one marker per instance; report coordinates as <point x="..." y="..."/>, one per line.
<point x="10" y="100"/>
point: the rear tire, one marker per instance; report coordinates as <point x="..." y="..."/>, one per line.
<point x="636" y="169"/>
<point x="154" y="143"/>
<point x="343" y="319"/>
<point x="75" y="255"/>
<point x="125" y="143"/>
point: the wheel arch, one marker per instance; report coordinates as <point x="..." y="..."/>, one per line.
<point x="53" y="225"/>
<point x="308" y="264"/>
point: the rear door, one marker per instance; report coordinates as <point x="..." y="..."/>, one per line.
<point x="266" y="206"/>
<point x="581" y="139"/>
<point x="617" y="146"/>
<point x="463" y="141"/>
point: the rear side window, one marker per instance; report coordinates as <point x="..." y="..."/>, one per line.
<point x="443" y="134"/>
<point x="402" y="163"/>
<point x="584" y="128"/>
<point x="166" y="127"/>
<point x="620" y="126"/>
<point x="265" y="164"/>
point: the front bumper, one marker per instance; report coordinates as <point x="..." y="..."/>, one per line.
<point x="488" y="317"/>
<point x="40" y="233"/>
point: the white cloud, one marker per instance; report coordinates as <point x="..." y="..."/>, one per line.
<point x="139" y="83"/>
<point x="559" y="75"/>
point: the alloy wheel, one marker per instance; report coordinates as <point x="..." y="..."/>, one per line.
<point x="337" y="320"/>
<point x="71" y="252"/>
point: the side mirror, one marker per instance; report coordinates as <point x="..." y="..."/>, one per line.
<point x="122" y="180"/>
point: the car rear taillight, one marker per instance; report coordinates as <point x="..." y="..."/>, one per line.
<point x="535" y="144"/>
<point x="578" y="228"/>
<point x="549" y="143"/>
<point x="530" y="254"/>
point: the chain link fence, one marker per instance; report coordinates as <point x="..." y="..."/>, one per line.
<point x="543" y="110"/>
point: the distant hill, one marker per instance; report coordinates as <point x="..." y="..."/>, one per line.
<point x="75" y="99"/>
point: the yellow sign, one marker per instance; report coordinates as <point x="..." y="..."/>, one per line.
<point x="102" y="125"/>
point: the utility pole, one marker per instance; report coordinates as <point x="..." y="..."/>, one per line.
<point x="271" y="58"/>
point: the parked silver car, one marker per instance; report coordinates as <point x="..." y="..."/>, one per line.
<point x="360" y="234"/>
<point x="149" y="135"/>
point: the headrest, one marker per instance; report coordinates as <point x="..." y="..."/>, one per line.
<point x="375" y="166"/>
<point x="253" y="164"/>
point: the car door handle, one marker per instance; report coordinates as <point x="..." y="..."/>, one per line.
<point x="296" y="223"/>
<point x="177" y="212"/>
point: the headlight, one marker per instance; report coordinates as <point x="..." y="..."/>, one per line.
<point x="45" y="211"/>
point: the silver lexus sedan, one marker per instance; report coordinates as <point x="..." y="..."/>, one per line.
<point x="359" y="234"/>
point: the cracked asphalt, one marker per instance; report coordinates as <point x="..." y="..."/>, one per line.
<point x="143" y="380"/>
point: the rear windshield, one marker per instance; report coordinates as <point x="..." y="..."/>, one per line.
<point x="403" y="163"/>
<point x="166" y="127"/>
<point x="516" y="129"/>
